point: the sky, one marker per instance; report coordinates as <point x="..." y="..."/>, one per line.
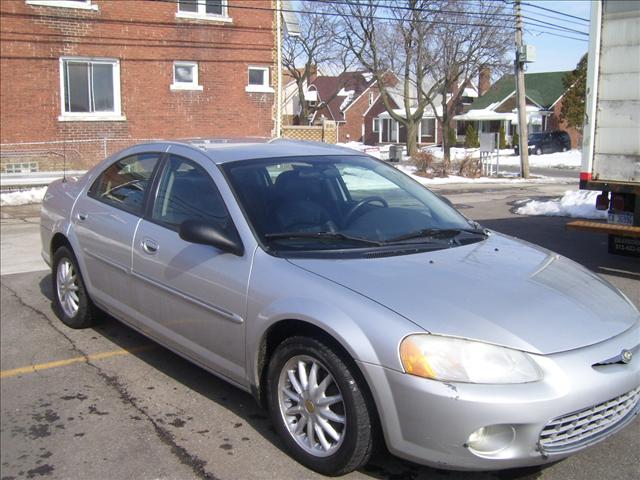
<point x="555" y="53"/>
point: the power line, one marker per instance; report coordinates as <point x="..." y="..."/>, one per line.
<point x="556" y="35"/>
<point x="336" y="14"/>
<point x="555" y="11"/>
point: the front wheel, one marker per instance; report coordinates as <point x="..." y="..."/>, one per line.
<point x="70" y="300"/>
<point x="538" y="150"/>
<point x="320" y="407"/>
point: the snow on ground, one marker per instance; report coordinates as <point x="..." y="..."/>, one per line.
<point x="574" y="203"/>
<point x="505" y="177"/>
<point x="23" y="197"/>
<point x="570" y="159"/>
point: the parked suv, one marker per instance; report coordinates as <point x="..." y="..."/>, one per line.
<point x="547" y="142"/>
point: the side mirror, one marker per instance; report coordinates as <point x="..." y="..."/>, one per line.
<point x="197" y="231"/>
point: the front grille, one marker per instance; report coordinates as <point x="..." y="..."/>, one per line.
<point x="580" y="428"/>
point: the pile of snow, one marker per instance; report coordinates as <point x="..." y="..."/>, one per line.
<point x="574" y="203"/>
<point x="505" y="177"/>
<point x="23" y="197"/>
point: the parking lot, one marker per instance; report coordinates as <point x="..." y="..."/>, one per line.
<point x="106" y="403"/>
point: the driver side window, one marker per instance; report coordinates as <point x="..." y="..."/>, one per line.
<point x="187" y="192"/>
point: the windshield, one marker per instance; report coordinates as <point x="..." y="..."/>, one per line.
<point x="534" y="137"/>
<point x="339" y="202"/>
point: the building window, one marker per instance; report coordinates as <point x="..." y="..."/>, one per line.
<point x="185" y="76"/>
<point x="428" y="127"/>
<point x="21" y="167"/>
<point x="258" y="80"/>
<point x="82" y="4"/>
<point x="376" y="125"/>
<point x="90" y="89"/>
<point x="371" y="98"/>
<point x="203" y="9"/>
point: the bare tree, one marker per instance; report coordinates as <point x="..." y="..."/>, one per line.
<point x="394" y="38"/>
<point x="463" y="44"/>
<point x="315" y="48"/>
<point x="435" y="47"/>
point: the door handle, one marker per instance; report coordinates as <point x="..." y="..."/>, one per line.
<point x="150" y="246"/>
<point x="82" y="216"/>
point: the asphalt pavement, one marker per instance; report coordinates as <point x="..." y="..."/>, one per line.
<point x="106" y="403"/>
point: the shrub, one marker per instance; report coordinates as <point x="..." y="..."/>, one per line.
<point x="515" y="140"/>
<point x="470" y="167"/>
<point x="452" y="137"/>
<point x="422" y="161"/>
<point x="471" y="137"/>
<point x="502" y="138"/>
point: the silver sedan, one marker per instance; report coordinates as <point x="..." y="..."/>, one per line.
<point x="353" y="303"/>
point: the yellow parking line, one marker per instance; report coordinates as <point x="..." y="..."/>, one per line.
<point x="70" y="361"/>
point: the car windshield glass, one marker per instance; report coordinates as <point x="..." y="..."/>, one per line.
<point x="340" y="202"/>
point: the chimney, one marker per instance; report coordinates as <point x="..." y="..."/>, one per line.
<point x="484" y="80"/>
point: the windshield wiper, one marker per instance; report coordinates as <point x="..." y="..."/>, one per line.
<point x="322" y="236"/>
<point x="443" y="233"/>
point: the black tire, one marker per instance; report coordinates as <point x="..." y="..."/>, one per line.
<point x="87" y="313"/>
<point x="360" y="432"/>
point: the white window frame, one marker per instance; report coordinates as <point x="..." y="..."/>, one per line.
<point x="202" y="14"/>
<point x="193" y="85"/>
<point x="375" y="127"/>
<point x="265" y="87"/>
<point x="84" y="5"/>
<point x="116" y="115"/>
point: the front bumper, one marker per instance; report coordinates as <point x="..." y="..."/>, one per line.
<point x="429" y="422"/>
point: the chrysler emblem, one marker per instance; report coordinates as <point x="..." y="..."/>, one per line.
<point x="626" y="356"/>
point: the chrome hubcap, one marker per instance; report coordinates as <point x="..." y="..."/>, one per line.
<point x="312" y="406"/>
<point x="67" y="288"/>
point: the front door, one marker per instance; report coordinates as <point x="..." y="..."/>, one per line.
<point x="193" y="296"/>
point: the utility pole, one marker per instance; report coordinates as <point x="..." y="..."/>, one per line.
<point x="520" y="95"/>
<point x="278" y="126"/>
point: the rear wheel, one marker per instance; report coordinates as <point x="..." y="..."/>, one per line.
<point x="320" y="406"/>
<point x="71" y="302"/>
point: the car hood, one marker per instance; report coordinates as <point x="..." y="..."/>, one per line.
<point x="502" y="291"/>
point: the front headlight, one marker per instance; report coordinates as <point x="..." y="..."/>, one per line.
<point x="458" y="360"/>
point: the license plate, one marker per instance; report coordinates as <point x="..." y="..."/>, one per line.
<point x="623" y="218"/>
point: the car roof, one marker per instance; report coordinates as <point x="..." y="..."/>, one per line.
<point x="223" y="151"/>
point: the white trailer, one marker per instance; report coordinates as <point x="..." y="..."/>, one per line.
<point x="611" y="144"/>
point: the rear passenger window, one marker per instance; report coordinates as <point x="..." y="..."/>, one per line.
<point x="124" y="183"/>
<point x="187" y="192"/>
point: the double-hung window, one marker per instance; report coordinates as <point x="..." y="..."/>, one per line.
<point x="90" y="89"/>
<point x="203" y="9"/>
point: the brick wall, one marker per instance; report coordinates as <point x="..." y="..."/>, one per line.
<point x="554" y="122"/>
<point x="147" y="38"/>
<point x="353" y="116"/>
<point x="327" y="132"/>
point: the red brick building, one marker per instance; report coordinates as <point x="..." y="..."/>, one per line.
<point x="125" y="70"/>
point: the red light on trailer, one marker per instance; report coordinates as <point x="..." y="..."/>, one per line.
<point x="602" y="201"/>
<point x="586" y="176"/>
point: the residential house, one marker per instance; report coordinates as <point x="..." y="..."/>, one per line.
<point x="334" y="97"/>
<point x="385" y="129"/>
<point x="497" y="108"/>
<point x="75" y="71"/>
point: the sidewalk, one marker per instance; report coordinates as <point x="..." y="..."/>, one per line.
<point x="20" y="240"/>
